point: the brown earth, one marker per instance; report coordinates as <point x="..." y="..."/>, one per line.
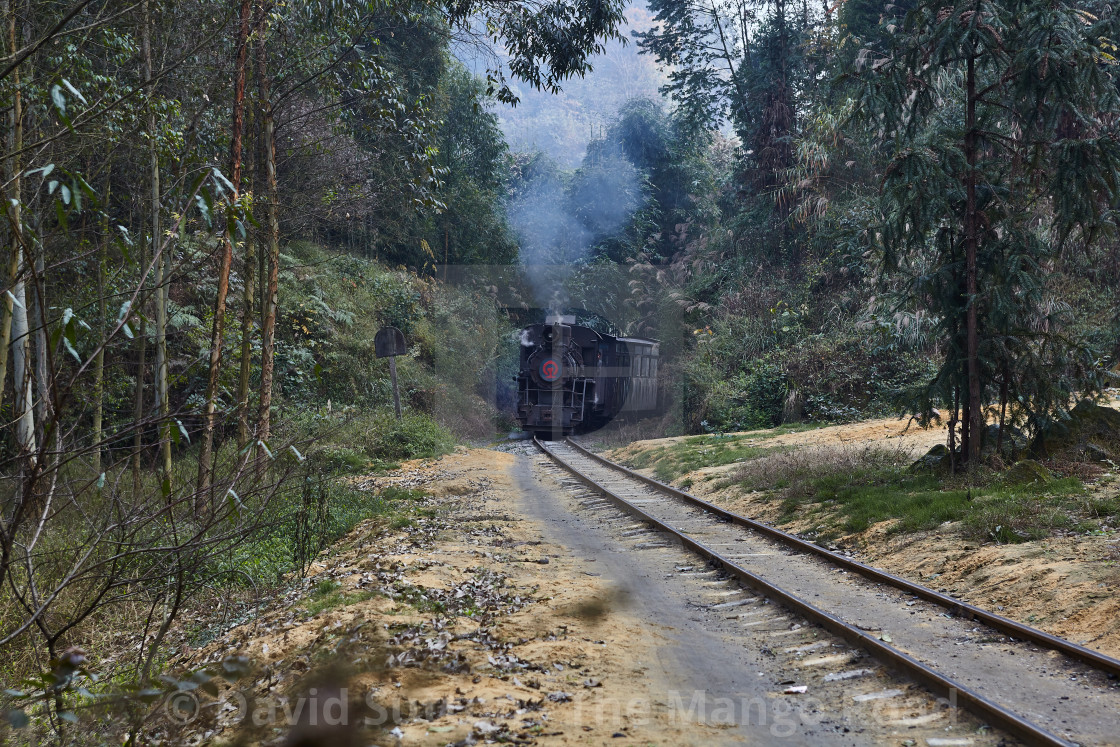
<point x="889" y="431"/>
<point x="455" y="628"/>
<point x="543" y="653"/>
<point x="1065" y="585"/>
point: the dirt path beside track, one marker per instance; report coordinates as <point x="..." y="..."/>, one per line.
<point x="549" y="654"/>
<point x="506" y="612"/>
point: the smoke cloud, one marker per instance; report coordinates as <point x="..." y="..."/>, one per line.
<point x="559" y="219"/>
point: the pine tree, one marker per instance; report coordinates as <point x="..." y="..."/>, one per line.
<point x="999" y="117"/>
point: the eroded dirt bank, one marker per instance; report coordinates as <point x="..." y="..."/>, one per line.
<point x="1067" y="584"/>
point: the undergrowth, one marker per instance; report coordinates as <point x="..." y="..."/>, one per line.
<point x="845" y="491"/>
<point x="320" y="503"/>
<point x="350" y="443"/>
<point x="674" y="460"/>
<point x="329" y="595"/>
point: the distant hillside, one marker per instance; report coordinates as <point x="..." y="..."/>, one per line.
<point x="561" y="125"/>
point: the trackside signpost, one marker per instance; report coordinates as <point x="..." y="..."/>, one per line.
<point x="389" y="343"/>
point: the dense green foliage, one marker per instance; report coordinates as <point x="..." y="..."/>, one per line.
<point x="995" y="116"/>
<point x="831" y="281"/>
<point x="210" y="210"/>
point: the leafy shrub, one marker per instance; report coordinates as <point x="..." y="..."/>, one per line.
<point x="412" y="437"/>
<point x="307" y="518"/>
<point x="342" y="460"/>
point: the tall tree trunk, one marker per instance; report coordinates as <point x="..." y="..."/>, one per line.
<point x="1003" y="387"/>
<point x="972" y="242"/>
<point x="966" y="421"/>
<point x="46" y="413"/>
<point x="268" y="330"/>
<point x="141" y="366"/>
<point x="163" y="365"/>
<point x="163" y="264"/>
<point x="37" y="322"/>
<point x="23" y="414"/>
<point x="13" y="138"/>
<point x="7" y="307"/>
<point x="102" y="312"/>
<point x="217" y="333"/>
<point x="141" y="297"/>
<point x="247" y="316"/>
<point x="262" y="253"/>
<point x="953" y="430"/>
<point x="247" y="311"/>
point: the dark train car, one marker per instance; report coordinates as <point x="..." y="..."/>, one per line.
<point x="574" y="379"/>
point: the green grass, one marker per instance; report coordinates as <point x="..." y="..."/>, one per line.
<point x="400" y="522"/>
<point x="867" y="498"/>
<point x="673" y="460"/>
<point x="329" y="595"/>
<point x="395" y="493"/>
<point x="403" y="506"/>
<point x="845" y="492"/>
<point x="780" y="430"/>
<point x="712" y="450"/>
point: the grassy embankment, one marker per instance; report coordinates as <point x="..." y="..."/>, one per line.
<point x="830" y="492"/>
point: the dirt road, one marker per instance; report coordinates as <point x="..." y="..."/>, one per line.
<point x="511" y="614"/>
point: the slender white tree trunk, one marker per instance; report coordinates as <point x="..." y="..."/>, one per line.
<point x="23" y="407"/>
<point x="163" y="265"/>
<point x="243" y="425"/>
<point x="13" y="144"/>
<point x="102" y="312"/>
<point x="21" y="375"/>
<point x="269" y="282"/>
<point x="37" y="321"/>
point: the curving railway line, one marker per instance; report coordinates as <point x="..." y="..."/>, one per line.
<point x="1039" y="688"/>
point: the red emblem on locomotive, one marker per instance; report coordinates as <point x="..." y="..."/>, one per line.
<point x="550" y="370"/>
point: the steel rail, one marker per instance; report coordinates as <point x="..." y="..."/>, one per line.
<point x="938" y="683"/>
<point x="1005" y="625"/>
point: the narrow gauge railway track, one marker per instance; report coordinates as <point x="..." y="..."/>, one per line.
<point x="1037" y="687"/>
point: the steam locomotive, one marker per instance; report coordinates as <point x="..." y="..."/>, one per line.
<point x="573" y="379"/>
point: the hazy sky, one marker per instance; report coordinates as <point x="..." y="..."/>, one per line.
<point x="561" y="125"/>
